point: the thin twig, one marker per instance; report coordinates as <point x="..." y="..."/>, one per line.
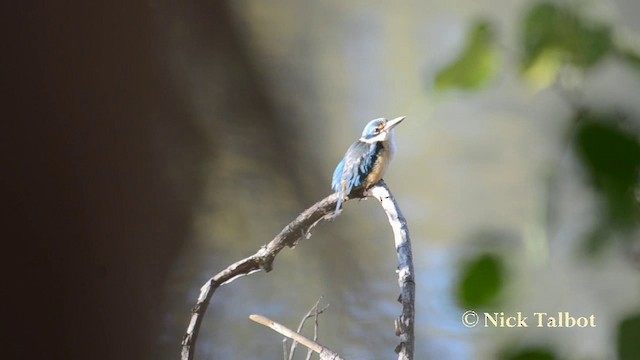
<point x="284" y="349"/>
<point x="316" y="312"/>
<point x="315" y="329"/>
<point x="404" y="323"/>
<point x="261" y="260"/>
<point x="325" y="353"/>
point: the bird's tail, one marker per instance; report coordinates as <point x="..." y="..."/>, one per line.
<point x="342" y="191"/>
<point x="340" y="201"/>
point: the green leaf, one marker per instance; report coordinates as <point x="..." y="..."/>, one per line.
<point x="555" y="35"/>
<point x="597" y="238"/>
<point x="481" y="281"/>
<point x="593" y="42"/>
<point x="631" y="57"/>
<point x="534" y="353"/>
<point x="476" y="65"/>
<point x="540" y="26"/>
<point x="628" y="335"/>
<point x="611" y="155"/>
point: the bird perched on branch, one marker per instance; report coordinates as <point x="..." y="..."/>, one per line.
<point x="366" y="159"/>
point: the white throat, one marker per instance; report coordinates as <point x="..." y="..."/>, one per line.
<point x="383" y="136"/>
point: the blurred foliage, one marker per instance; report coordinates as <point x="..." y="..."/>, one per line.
<point x="632" y="58"/>
<point x="481" y="281"/>
<point x="555" y="35"/>
<point x="532" y="353"/>
<point x="628" y="336"/>
<point x="611" y="156"/>
<point x="476" y="65"/>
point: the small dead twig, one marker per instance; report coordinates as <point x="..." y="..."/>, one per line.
<point x="313" y="312"/>
<point x="315" y="328"/>
<point x="284" y="349"/>
<point x="325" y="353"/>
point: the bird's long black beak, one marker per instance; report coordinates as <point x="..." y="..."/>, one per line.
<point x="392" y="123"/>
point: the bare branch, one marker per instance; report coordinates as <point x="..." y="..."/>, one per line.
<point x="290" y="236"/>
<point x="405" y="323"/>
<point x="325" y="354"/>
<point x="261" y="260"/>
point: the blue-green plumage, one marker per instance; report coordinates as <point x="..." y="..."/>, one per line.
<point x="366" y="159"/>
<point x="358" y="162"/>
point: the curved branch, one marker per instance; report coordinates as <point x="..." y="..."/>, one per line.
<point x="290" y="236"/>
<point x="404" y="324"/>
<point x="261" y="260"/>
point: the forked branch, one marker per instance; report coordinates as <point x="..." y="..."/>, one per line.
<point x="290" y="236"/>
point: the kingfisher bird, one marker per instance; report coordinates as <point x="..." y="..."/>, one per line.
<point x="366" y="159"/>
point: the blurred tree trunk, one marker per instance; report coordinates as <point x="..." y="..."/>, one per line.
<point x="103" y="153"/>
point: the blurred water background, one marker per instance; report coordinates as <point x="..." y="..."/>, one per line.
<point x="486" y="168"/>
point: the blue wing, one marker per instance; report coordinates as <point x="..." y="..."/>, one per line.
<point x="336" y="180"/>
<point x="352" y="171"/>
